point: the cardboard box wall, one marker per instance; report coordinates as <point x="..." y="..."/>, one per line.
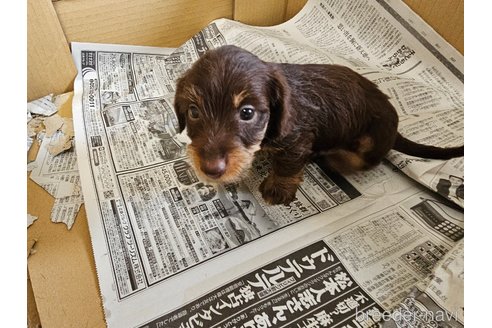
<point x="62" y="271"/>
<point x="52" y="25"/>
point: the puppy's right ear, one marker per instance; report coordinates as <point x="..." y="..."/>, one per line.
<point x="179" y="109"/>
<point x="280" y="123"/>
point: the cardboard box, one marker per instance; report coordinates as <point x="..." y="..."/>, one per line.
<point x="62" y="271"/>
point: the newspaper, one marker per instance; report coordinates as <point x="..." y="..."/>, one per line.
<point x="59" y="176"/>
<point x="57" y="173"/>
<point x="174" y="251"/>
<point x="426" y="304"/>
<point x="323" y="280"/>
<point x="37" y="111"/>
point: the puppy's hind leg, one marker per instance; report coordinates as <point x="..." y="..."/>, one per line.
<point x="343" y="161"/>
<point x="361" y="156"/>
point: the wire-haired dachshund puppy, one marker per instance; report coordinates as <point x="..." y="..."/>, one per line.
<point x="233" y="104"/>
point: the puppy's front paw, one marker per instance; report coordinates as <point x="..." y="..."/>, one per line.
<point x="279" y="190"/>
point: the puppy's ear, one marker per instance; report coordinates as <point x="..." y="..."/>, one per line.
<point x="280" y="123"/>
<point x="178" y="106"/>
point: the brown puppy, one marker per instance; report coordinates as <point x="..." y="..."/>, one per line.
<point x="234" y="104"/>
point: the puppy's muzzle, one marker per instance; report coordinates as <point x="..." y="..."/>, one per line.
<point x="214" y="167"/>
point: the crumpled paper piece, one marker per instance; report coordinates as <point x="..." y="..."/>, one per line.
<point x="37" y="110"/>
<point x="41" y="115"/>
<point x="53" y="124"/>
<point x="31" y="219"/>
<point x="59" y="177"/>
<point x="42" y="106"/>
<point x="61" y="125"/>
<point x="438" y="302"/>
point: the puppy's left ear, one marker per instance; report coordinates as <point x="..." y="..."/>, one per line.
<point x="280" y="123"/>
<point x="178" y="107"/>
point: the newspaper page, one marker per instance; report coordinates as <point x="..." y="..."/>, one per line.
<point x="158" y="231"/>
<point x="354" y="272"/>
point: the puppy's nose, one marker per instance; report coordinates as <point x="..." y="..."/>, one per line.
<point x="214" y="168"/>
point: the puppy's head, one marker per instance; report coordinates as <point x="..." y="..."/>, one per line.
<point x="229" y="101"/>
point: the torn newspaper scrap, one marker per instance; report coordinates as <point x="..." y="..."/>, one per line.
<point x="59" y="176"/>
<point x="64" y="139"/>
<point x="31" y="219"/>
<point x="45" y="108"/>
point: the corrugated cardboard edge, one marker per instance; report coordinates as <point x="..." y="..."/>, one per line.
<point x="50" y="68"/>
<point x="33" y="320"/>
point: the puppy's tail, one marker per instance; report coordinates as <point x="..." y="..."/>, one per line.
<point x="409" y="147"/>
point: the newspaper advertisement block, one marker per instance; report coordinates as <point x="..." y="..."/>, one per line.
<point x="158" y="232"/>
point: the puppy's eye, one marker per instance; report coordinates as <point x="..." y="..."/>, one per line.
<point x="193" y="112"/>
<point x="246" y="112"/>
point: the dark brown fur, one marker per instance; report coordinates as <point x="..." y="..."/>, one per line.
<point x="299" y="111"/>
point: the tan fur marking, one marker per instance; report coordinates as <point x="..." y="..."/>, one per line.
<point x="237" y="98"/>
<point x="366" y="144"/>
<point x="294" y="179"/>
<point x="254" y="148"/>
<point x="345" y="161"/>
<point x="239" y="161"/>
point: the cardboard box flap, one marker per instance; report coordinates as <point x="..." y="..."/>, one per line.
<point x="260" y="13"/>
<point x="50" y="68"/>
<point x="146" y="22"/>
